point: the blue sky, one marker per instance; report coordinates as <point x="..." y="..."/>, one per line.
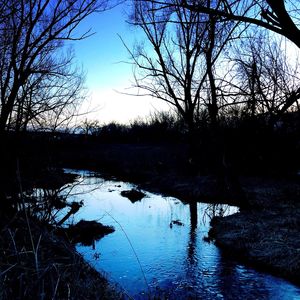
<point x="104" y="58"/>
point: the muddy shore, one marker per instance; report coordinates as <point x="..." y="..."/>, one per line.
<point x="266" y="239"/>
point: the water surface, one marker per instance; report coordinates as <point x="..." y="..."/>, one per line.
<point x="146" y="256"/>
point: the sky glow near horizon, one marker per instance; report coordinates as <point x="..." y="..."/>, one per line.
<point x="105" y="59"/>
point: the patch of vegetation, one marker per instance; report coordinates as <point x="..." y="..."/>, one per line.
<point x="35" y="261"/>
<point x="37" y="264"/>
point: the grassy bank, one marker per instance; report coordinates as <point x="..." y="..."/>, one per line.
<point x="267" y="235"/>
<point x="266" y="239"/>
<point x="38" y="259"/>
<point x="36" y="263"/>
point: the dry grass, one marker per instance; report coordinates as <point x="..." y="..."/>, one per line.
<point x="269" y="238"/>
<point x="46" y="268"/>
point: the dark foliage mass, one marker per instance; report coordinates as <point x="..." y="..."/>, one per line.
<point x="249" y="144"/>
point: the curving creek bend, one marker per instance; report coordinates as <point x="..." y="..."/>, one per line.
<point x="148" y="256"/>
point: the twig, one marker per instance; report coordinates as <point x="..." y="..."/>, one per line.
<point x="5" y="271"/>
<point x="137" y="258"/>
<point x="56" y="287"/>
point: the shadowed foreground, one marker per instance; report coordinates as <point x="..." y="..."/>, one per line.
<point x="36" y="263"/>
<point x="268" y="218"/>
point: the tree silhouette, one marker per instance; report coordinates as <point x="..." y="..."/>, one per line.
<point x="178" y="62"/>
<point x="32" y="37"/>
<point x="267" y="80"/>
<point x="275" y="15"/>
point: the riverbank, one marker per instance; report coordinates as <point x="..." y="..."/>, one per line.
<point x="267" y="239"/>
<point x="36" y="263"/>
<point x="38" y="258"/>
<point x="159" y="168"/>
<point x="162" y="168"/>
<point x="265" y="234"/>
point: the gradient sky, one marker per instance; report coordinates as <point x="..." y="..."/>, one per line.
<point x="108" y="72"/>
<point x="104" y="58"/>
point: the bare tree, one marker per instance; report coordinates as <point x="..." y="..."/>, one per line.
<point x="178" y="63"/>
<point x="280" y="16"/>
<point x="89" y="127"/>
<point x="48" y="101"/>
<point x="31" y="42"/>
<point x="266" y="80"/>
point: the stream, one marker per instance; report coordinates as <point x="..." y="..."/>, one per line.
<point x="148" y="256"/>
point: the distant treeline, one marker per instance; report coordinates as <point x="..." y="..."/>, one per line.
<point x="167" y="127"/>
<point x="250" y="145"/>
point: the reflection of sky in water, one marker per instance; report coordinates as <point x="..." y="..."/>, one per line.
<point x="173" y="259"/>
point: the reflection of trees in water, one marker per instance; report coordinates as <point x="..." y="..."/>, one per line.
<point x="229" y="279"/>
<point x="193" y="215"/>
<point x="47" y="204"/>
<point x="215" y="210"/>
<point x="236" y="282"/>
<point x="211" y="211"/>
<point x="191" y="249"/>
